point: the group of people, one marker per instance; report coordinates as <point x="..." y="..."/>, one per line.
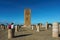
<point x="11" y="26"/>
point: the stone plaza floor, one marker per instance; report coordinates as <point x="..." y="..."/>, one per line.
<point x="29" y="35"/>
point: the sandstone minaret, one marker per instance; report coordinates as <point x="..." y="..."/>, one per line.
<point x="27" y="19"/>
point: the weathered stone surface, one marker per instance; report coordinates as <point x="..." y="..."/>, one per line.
<point x="55" y="29"/>
<point x="9" y="33"/>
<point x="27" y="19"/>
<point x="46" y="25"/>
<point x="16" y="29"/>
<point x="37" y="27"/>
<point x="32" y="27"/>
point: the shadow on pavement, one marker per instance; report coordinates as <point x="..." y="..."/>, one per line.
<point x="59" y="35"/>
<point x="22" y="35"/>
<point x="42" y="30"/>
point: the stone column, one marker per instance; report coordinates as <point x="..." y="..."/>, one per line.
<point x="59" y="28"/>
<point x="55" y="30"/>
<point x="16" y="29"/>
<point x="2" y="27"/>
<point x="9" y="33"/>
<point x="32" y="27"/>
<point x="40" y="25"/>
<point x="5" y="27"/>
<point x="46" y="25"/>
<point x="37" y="28"/>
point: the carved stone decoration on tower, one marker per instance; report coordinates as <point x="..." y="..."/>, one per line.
<point x="27" y="19"/>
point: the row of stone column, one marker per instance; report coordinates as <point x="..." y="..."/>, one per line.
<point x="38" y="27"/>
<point x="55" y="29"/>
<point x="6" y="27"/>
<point x="11" y="32"/>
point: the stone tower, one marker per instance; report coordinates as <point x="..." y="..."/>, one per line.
<point x="27" y="19"/>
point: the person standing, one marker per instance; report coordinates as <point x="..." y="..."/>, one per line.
<point x="13" y="29"/>
<point x="9" y="31"/>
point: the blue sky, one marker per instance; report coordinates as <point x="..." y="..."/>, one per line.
<point x="41" y="11"/>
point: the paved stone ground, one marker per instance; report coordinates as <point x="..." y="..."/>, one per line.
<point x="29" y="35"/>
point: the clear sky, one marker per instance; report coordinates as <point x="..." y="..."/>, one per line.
<point x="41" y="10"/>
